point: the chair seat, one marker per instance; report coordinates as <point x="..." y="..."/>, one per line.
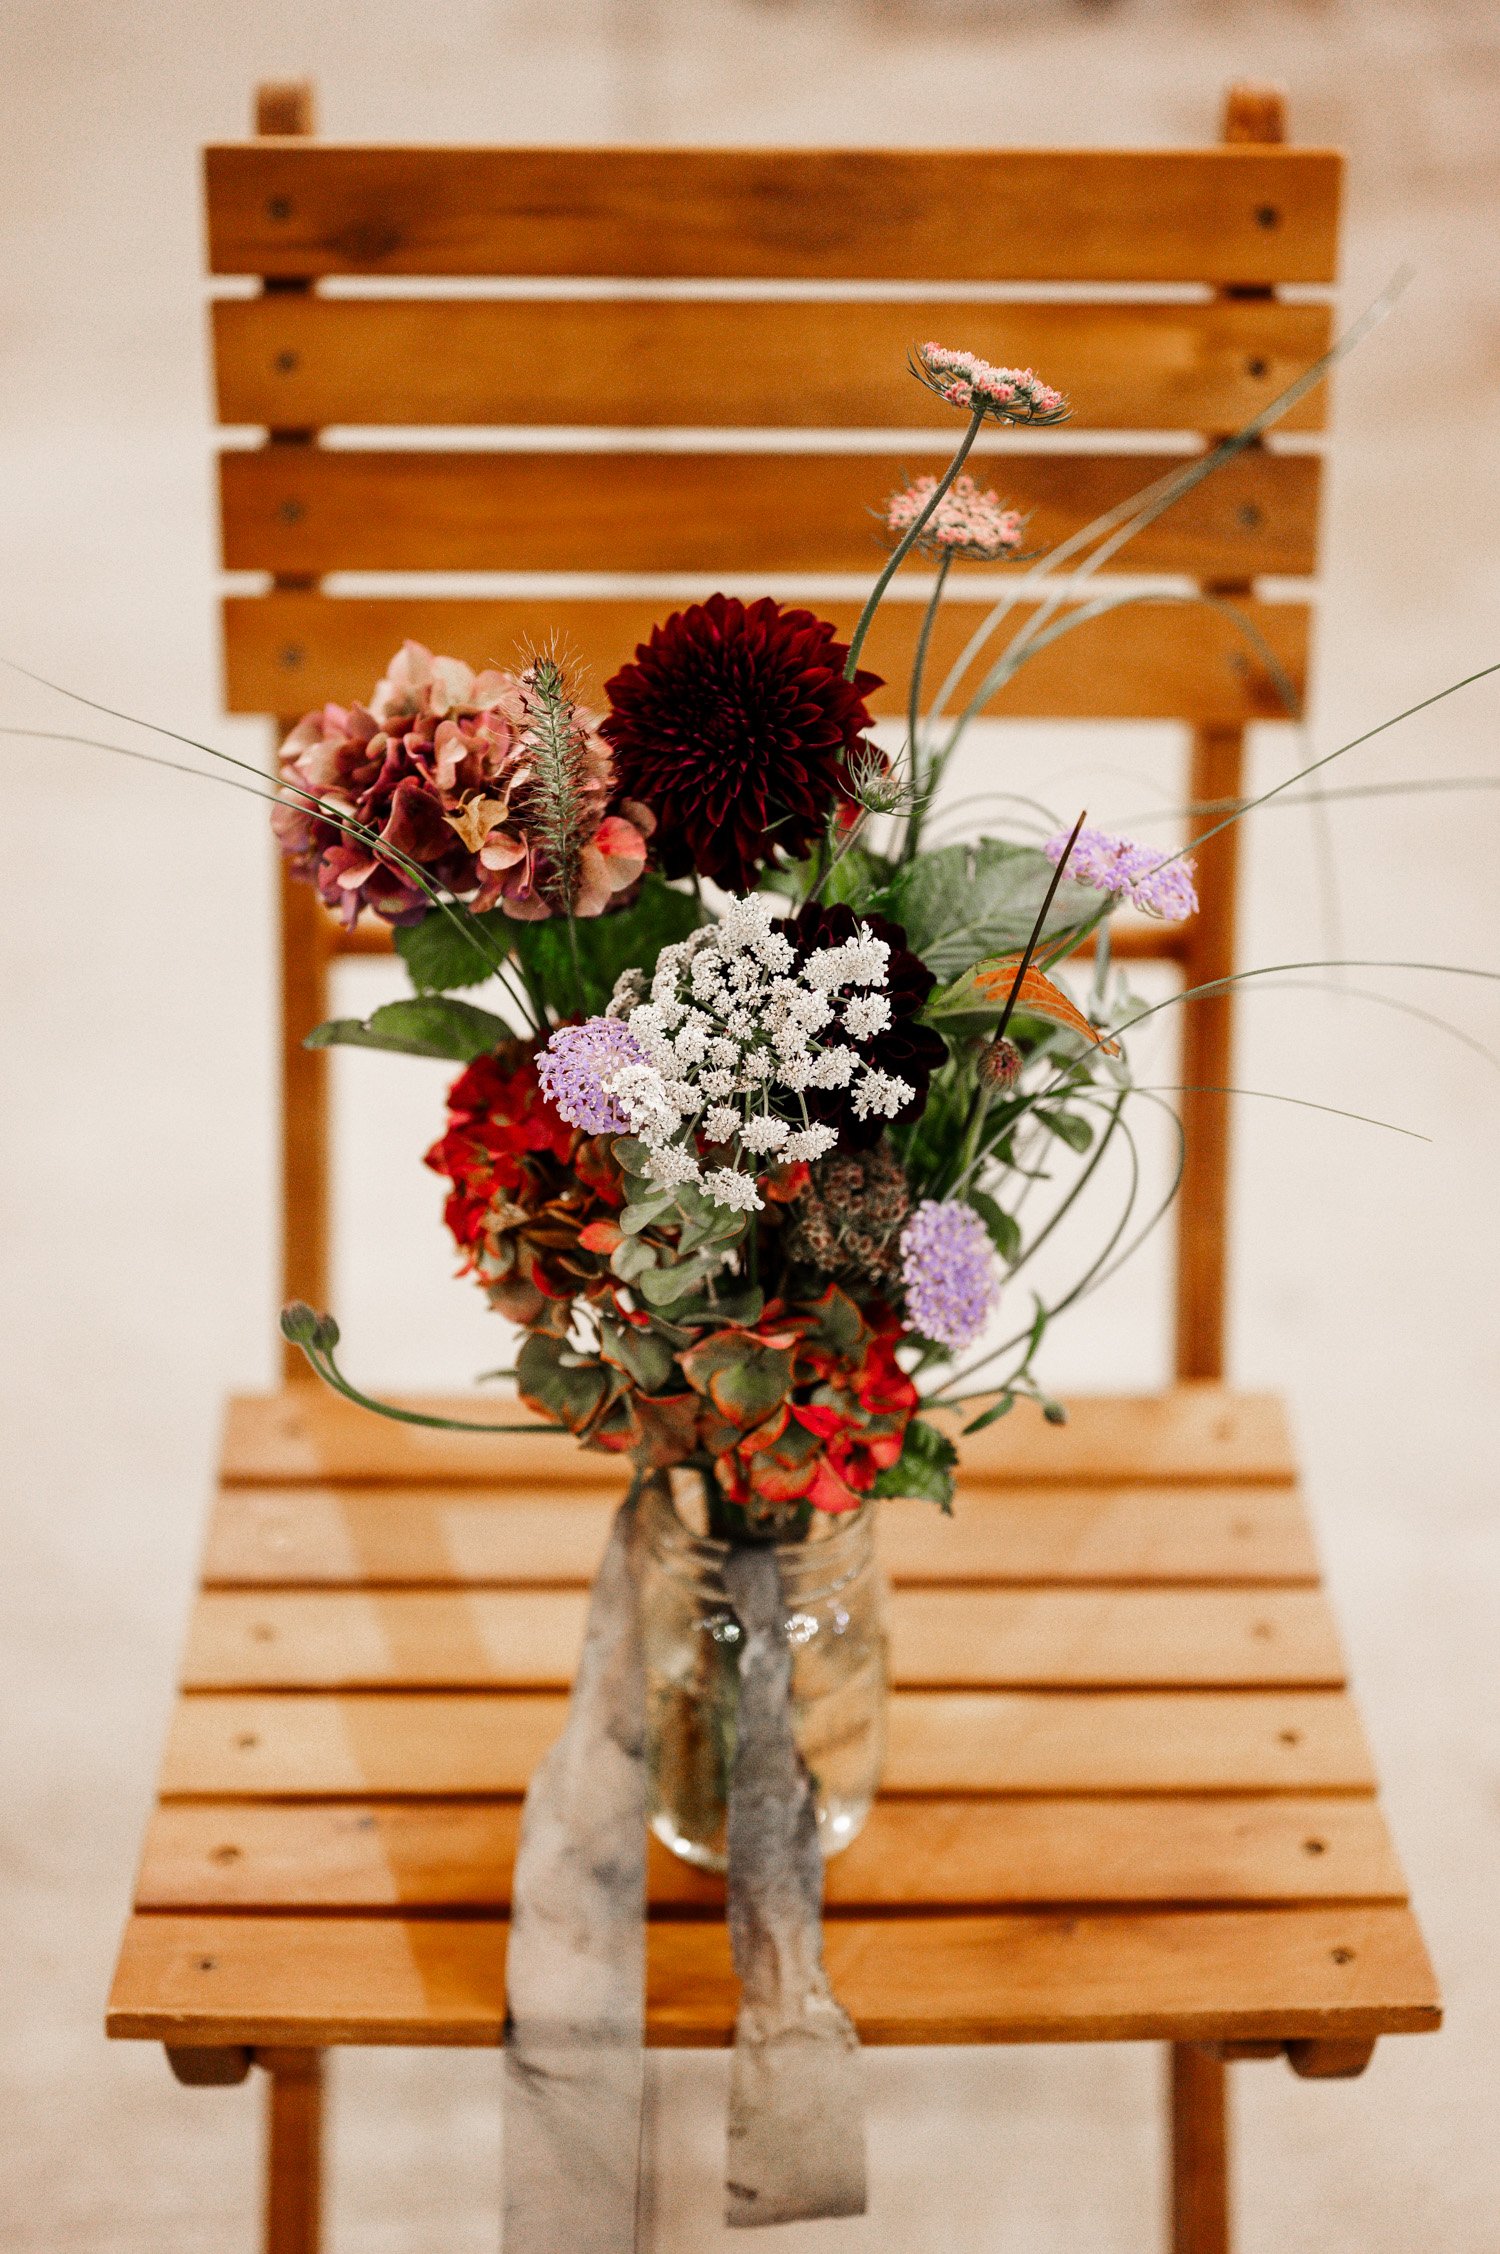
<point x="1127" y="1792"/>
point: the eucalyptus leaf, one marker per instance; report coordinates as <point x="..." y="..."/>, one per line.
<point x="452" y="947"/>
<point x="966" y="901"/>
<point x="431" y="1025"/>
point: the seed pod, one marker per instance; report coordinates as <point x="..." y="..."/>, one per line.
<point x="1000" y="1065"/>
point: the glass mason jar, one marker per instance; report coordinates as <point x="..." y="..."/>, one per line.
<point x="836" y="1629"/>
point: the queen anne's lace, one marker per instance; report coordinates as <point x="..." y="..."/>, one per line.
<point x="732" y="1032"/>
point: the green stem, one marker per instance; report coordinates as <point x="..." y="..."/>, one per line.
<point x="321" y="1360"/>
<point x="900" y="553"/>
<point x="914" y="709"/>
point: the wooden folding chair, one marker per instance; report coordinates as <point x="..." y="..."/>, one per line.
<point x="1128" y="1796"/>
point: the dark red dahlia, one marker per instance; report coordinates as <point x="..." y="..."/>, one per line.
<point x="910" y="1051"/>
<point x="735" y="726"/>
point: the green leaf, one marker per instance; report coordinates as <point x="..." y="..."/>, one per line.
<point x="451" y="947"/>
<point x="924" y="1467"/>
<point x="663" y="1286"/>
<point x="967" y="901"/>
<point x="625" y="939"/>
<point x="430" y="1026"/>
<point x="640" y="1213"/>
<point x="856" y="878"/>
<point x="1073" y="1130"/>
<point x="1005" y="1231"/>
<point x="992" y="1414"/>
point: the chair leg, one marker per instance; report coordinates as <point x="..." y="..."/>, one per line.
<point x="1200" y="2152"/>
<point x="294" y="2150"/>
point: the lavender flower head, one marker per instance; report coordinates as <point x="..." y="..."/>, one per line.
<point x="577" y="1070"/>
<point x="1002" y="395"/>
<point x="949" y="1269"/>
<point x="1138" y="873"/>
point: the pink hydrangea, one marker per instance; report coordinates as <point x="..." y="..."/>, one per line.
<point x="439" y="766"/>
<point x="1002" y="395"/>
<point x="967" y="522"/>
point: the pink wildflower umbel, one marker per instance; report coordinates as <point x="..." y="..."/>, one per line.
<point x="1001" y="395"/>
<point x="967" y="523"/>
<point x="1141" y="874"/>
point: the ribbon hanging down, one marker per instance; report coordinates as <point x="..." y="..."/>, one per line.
<point x="575" y="1968"/>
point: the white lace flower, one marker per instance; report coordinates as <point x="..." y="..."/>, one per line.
<point x="764" y="1134"/>
<point x="832" y="1068"/>
<point x="809" y="1143"/>
<point x="717" y="1084"/>
<point x="673" y="1164"/>
<point x="866" y="1015"/>
<point x="720" y="1123"/>
<point x="881" y="1092"/>
<point x="727" y="1186"/>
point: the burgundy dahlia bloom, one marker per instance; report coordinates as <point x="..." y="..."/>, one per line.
<point x="735" y="726"/>
<point x="901" y="1047"/>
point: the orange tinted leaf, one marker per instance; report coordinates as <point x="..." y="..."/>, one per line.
<point x="1038" y="998"/>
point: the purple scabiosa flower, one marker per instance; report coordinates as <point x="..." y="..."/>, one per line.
<point x="578" y="1064"/>
<point x="949" y="1270"/>
<point x="1002" y="395"/>
<point x="1141" y="874"/>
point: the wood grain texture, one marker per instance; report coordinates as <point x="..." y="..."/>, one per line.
<point x="1187" y="1436"/>
<point x="704" y="364"/>
<point x="317" y="509"/>
<point x="445" y="1537"/>
<point x="1147" y="662"/>
<point x="1216" y="775"/>
<point x="1198" y="1975"/>
<point x="1198" y="2121"/>
<point x="972" y="1637"/>
<point x="437" y="1855"/>
<point x="294" y="2151"/>
<point x="1204" y="215"/>
<point x="476" y="1744"/>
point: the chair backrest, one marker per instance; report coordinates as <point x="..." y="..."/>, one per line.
<point x="673" y="351"/>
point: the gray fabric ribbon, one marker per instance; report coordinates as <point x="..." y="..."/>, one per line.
<point x="575" y="1967"/>
<point x="796" y="2119"/>
<point x="575" y="1971"/>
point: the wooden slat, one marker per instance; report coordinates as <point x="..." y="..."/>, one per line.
<point x="1200" y="215"/>
<point x="1147" y="662"/>
<point x="444" y="1537"/>
<point x="449" y="1855"/>
<point x="229" y="1744"/>
<point x="314" y="510"/>
<point x="505" y="1638"/>
<point x="1227" y="1975"/>
<point x="1190" y="1435"/>
<point x="306" y="362"/>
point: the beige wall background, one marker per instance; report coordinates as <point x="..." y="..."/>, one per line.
<point x="136" y="1156"/>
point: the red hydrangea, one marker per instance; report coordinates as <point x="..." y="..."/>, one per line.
<point x="526" y="1188"/>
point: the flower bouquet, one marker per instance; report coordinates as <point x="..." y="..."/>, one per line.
<point x="739" y="1139"/>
